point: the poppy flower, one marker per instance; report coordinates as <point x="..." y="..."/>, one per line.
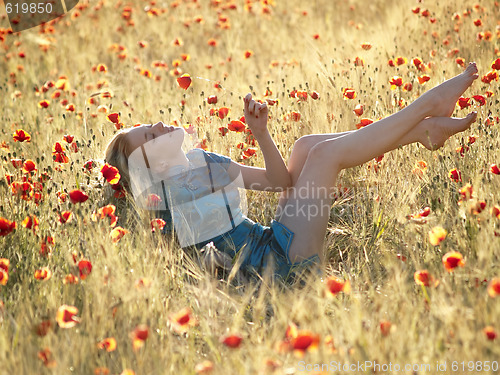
<point x="47" y="358"/>
<point x="204" y="367"/>
<point x="157" y="224"/>
<point x="349" y="93"/>
<point x="70" y="279"/>
<point x="236" y="126"/>
<point x="223" y="130"/>
<point x="452" y="260"/>
<point x="464" y="102"/>
<point x="65" y="316"/>
<point x="184" y="81"/>
<point x="496" y="65"/>
<point x="494" y="169"/>
<point x="437" y="235"/>
<point x="334" y="286"/>
<point x="466" y="192"/>
<point x="114" y="117"/>
<point x="21" y="136"/>
<point x="212" y="99"/>
<point x="222" y="112"/>
<point x="396" y="81"/>
<point x="455" y="175"/>
<point x="43" y="274"/>
<point x="494" y="287"/>
<point x="363" y="122"/>
<point x="359" y="109"/>
<point x="489" y="77"/>
<point x="139" y="336"/>
<point x="31" y="222"/>
<point x="65" y="217"/>
<point x="385" y="327"/>
<point x="232" y="340"/>
<point x="17" y="163"/>
<point x="6" y="226"/>
<point x="117" y="233"/>
<point x="495" y="211"/>
<point x="108" y="344"/>
<point x="43" y="104"/>
<point x="424" y="278"/>
<point x="85" y="267"/>
<point x="479" y="99"/>
<point x="29" y="166"/>
<point x="366" y="46"/>
<point x="77" y="196"/>
<point x="182" y="320"/>
<point x="477" y="207"/>
<point x="460" y="61"/>
<point x="478" y="22"/>
<point x="247" y="54"/>
<point x="43" y="328"/>
<point x="407" y="86"/>
<point x="490" y="333"/>
<point x="423" y="79"/>
<point x="110" y="173"/>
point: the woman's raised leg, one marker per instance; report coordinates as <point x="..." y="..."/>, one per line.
<point x="307" y="210"/>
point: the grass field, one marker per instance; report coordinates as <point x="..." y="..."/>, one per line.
<point x="82" y="297"/>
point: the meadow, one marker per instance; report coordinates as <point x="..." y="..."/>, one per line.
<point x="411" y="270"/>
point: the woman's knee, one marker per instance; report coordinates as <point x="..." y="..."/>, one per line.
<point x="327" y="152"/>
<point x="302" y="146"/>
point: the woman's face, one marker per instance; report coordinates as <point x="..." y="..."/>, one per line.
<point x="158" y="139"/>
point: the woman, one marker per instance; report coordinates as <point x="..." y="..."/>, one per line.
<point x="295" y="237"/>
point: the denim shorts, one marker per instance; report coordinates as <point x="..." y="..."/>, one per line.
<point x="264" y="249"/>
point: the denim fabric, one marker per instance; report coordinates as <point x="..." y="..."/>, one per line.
<point x="262" y="247"/>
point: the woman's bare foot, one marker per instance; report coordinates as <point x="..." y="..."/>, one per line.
<point x="436" y="130"/>
<point x="443" y="98"/>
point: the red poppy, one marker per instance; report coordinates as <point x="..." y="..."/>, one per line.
<point x="17" y="163"/>
<point x="349" y="93"/>
<point x="464" y="102"/>
<point x="455" y="175"/>
<point x="70" y="279"/>
<point x="236" y="126"/>
<point x="366" y="46"/>
<point x="407" y="86"/>
<point x="85" y="268"/>
<point x="494" y="287"/>
<point x="43" y="104"/>
<point x="110" y="173"/>
<point x="65" y="217"/>
<point x="437" y="235"/>
<point x="496" y="65"/>
<point x="479" y="99"/>
<point x="396" y="81"/>
<point x="183" y="320"/>
<point x="139" y="336"/>
<point x="315" y="95"/>
<point x="31" y="222"/>
<point x="184" y="81"/>
<point x="43" y="274"/>
<point x="334" y="286"/>
<point x="423" y="79"/>
<point x="223" y="130"/>
<point x="232" y="340"/>
<point x="29" y="166"/>
<point x="466" y="192"/>
<point x="21" y="136"/>
<point x="108" y="344"/>
<point x="489" y="77"/>
<point x="424" y="278"/>
<point x="77" y="196"/>
<point x="364" y="122"/>
<point x="157" y="224"/>
<point x="47" y="358"/>
<point x="66" y="316"/>
<point x="452" y="260"/>
<point x="248" y="54"/>
<point x="43" y="328"/>
<point x="117" y="233"/>
<point x="490" y="333"/>
<point x="478" y="22"/>
<point x="114" y="117"/>
<point x="222" y="112"/>
<point x="6" y="226"/>
<point x="359" y="109"/>
<point x="212" y="99"/>
<point x="495" y="211"/>
<point x="477" y="207"/>
<point x="385" y="327"/>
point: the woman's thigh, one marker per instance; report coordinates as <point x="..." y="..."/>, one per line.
<point x="307" y="209"/>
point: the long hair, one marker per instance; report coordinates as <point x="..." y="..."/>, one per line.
<point x="116" y="155"/>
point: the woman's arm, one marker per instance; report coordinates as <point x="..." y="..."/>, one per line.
<point x="275" y="177"/>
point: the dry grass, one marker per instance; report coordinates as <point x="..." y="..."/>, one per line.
<point x="429" y="326"/>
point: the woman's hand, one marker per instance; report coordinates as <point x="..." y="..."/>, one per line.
<point x="255" y="115"/>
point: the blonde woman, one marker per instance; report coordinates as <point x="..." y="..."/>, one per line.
<point x="196" y="188"/>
